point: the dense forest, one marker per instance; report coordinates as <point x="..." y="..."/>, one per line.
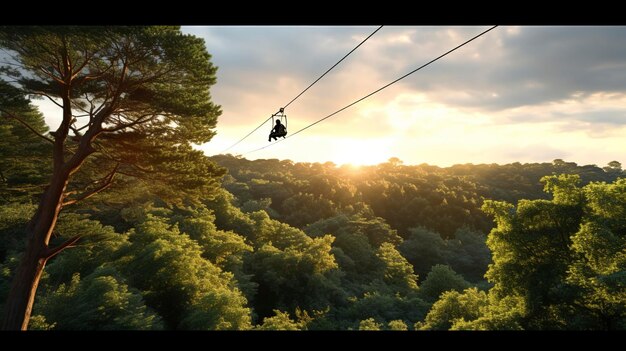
<point x="118" y="222"/>
<point x="306" y="246"/>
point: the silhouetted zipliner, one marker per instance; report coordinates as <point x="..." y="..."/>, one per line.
<point x="278" y="131"/>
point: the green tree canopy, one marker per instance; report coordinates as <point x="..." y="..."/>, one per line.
<point x="565" y="257"/>
<point x="454" y="306"/>
<point x="280" y="321"/>
<point x="98" y="302"/>
<point x="398" y="272"/>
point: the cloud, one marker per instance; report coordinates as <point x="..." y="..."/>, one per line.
<point x="516" y="94"/>
<point x="509" y="67"/>
<point x="528" y="66"/>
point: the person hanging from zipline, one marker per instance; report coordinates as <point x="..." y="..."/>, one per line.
<point x="278" y="131"/>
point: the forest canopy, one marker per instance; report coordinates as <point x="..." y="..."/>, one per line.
<point x="308" y="246"/>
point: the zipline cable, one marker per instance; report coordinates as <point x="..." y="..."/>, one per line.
<point x="378" y="90"/>
<point x="338" y="62"/>
<point x="247" y="135"/>
<point x="307" y="88"/>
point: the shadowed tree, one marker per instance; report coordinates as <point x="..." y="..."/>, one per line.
<point x="441" y="279"/>
<point x="23" y="152"/>
<point x="613" y="167"/>
<point x="131" y="100"/>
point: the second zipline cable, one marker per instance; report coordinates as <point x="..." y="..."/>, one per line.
<point x="378" y="90"/>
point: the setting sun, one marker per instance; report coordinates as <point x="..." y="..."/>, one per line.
<point x="359" y="152"/>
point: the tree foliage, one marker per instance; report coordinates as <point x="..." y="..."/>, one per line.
<point x="563" y="257"/>
<point x="441" y="279"/>
<point x="98" y="302"/>
<point x="454" y="307"/>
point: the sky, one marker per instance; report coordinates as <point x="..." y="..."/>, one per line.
<point x="517" y="94"/>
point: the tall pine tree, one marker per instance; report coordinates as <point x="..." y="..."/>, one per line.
<point x="131" y="101"/>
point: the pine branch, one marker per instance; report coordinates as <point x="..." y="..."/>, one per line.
<point x="67" y="244"/>
<point x="45" y="95"/>
<point x="139" y="120"/>
<point x="21" y="121"/>
<point x="107" y="182"/>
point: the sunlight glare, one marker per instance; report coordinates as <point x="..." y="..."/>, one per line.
<point x="358" y="152"/>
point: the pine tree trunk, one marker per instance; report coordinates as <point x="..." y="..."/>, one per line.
<point x="19" y="303"/>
